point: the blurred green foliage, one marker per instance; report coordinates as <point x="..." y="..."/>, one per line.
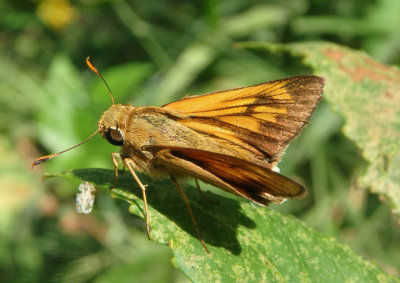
<point x="152" y="52"/>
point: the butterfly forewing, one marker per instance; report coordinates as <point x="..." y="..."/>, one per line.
<point x="261" y="118"/>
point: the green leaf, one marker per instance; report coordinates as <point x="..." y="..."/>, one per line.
<point x="246" y="241"/>
<point x="367" y="94"/>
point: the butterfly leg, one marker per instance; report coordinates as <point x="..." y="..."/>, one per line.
<point x="202" y="193"/>
<point x="116" y="159"/>
<point x="130" y="164"/>
<point x="186" y="201"/>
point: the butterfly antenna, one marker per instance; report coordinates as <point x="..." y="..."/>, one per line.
<point x="42" y="159"/>
<point x="93" y="68"/>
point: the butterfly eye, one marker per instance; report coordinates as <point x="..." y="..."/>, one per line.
<point x="115" y="136"/>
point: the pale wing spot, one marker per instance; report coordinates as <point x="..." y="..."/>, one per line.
<point x="265" y="116"/>
<point x="242" y="121"/>
<point x="281" y="94"/>
<point x="269" y="109"/>
<point x="267" y="113"/>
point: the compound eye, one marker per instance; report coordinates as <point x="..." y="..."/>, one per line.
<point x="115" y="136"/>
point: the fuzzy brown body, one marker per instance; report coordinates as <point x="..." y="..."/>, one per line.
<point x="230" y="139"/>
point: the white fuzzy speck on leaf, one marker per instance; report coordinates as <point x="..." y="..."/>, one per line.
<point x="85" y="199"/>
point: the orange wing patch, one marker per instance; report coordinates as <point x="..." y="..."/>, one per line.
<point x="263" y="117"/>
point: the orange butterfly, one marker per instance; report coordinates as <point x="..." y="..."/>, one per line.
<point x="231" y="139"/>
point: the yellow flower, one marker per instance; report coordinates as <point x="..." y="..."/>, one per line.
<point x="56" y="14"/>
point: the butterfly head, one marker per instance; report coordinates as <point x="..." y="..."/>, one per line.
<point x="113" y="124"/>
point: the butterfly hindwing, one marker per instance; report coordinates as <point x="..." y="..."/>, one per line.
<point x="247" y="179"/>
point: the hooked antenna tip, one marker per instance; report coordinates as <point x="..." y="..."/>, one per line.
<point x="93" y="68"/>
<point x="90" y="65"/>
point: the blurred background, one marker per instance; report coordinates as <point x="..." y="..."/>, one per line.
<point x="150" y="53"/>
